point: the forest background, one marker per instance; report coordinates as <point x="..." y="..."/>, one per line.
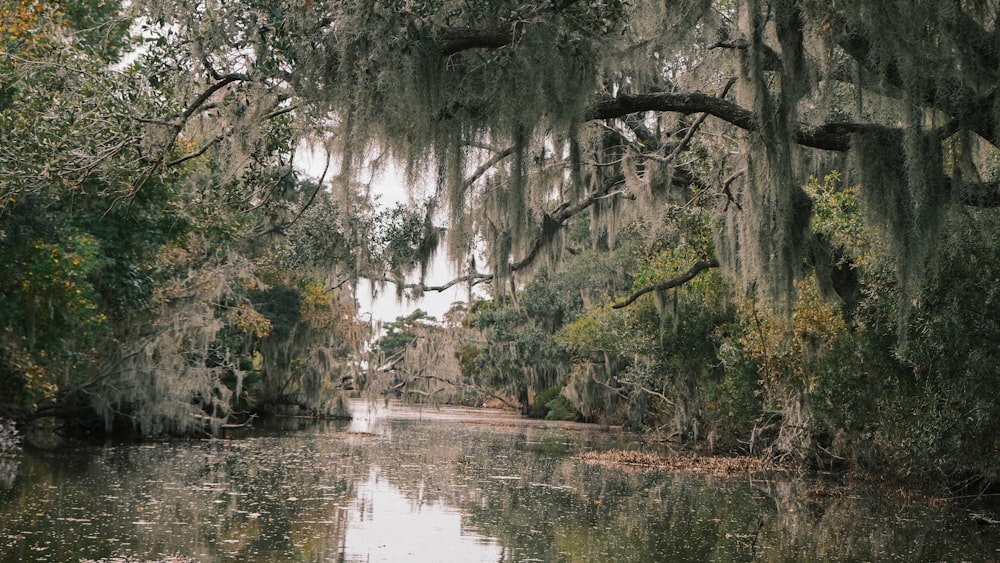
<point x="744" y="225"/>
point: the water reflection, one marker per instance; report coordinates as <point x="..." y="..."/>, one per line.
<point x="8" y="470"/>
<point x="437" y="485"/>
<point x="387" y="525"/>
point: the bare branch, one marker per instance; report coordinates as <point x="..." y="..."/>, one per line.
<point x="196" y="153"/>
<point x="473" y="279"/>
<point x="319" y="186"/>
<point x="697" y="123"/>
<point x="205" y="95"/>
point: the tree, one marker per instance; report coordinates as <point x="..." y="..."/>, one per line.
<point x="134" y="249"/>
<point x="518" y="356"/>
<point x="526" y="113"/>
<point x="399" y="333"/>
<point x="594" y="162"/>
<point x="651" y="361"/>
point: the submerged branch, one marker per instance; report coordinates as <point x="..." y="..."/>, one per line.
<point x="682" y="279"/>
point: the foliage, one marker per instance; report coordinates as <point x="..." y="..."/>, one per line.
<point x="519" y="357"/>
<point x="560" y="408"/>
<point x="650" y="365"/>
<point x="166" y="266"/>
<point x="936" y="410"/>
<point x="798" y="360"/>
<point x="399" y="333"/>
<point x="524" y="113"/>
<point x="404" y="239"/>
<point x="75" y="270"/>
<point x="539" y="407"/>
<point x="421" y="361"/>
<point x="305" y="353"/>
<point x="838" y="218"/>
<point x="551" y="405"/>
<point x="111" y="305"/>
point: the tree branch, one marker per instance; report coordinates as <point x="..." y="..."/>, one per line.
<point x="984" y="195"/>
<point x="207" y="93"/>
<point x="474" y="279"/>
<point x="953" y="97"/>
<point x="195" y="154"/>
<point x="831" y="136"/>
<point x="552" y="221"/>
<point x="682" y="279"/>
<point x="487" y="165"/>
<point x="457" y="39"/>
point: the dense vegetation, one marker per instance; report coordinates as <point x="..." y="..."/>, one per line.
<point x="763" y="226"/>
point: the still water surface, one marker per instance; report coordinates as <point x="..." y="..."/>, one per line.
<point x="405" y="484"/>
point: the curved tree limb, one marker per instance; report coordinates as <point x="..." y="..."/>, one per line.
<point x="832" y="136"/>
<point x="473" y="279"/>
<point x="697" y="268"/>
<point x="485" y="167"/>
<point x="561" y="214"/>
<point x="455" y="40"/>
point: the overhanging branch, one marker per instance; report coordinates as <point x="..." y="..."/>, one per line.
<point x="682" y="279"/>
<point x="832" y="137"/>
<point x="455" y="40"/>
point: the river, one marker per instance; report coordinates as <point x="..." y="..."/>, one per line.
<point x="446" y="484"/>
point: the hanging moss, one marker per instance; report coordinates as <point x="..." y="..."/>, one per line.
<point x="766" y="221"/>
<point x="445" y="87"/>
<point x="903" y="198"/>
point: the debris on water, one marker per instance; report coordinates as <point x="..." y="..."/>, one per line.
<point x="170" y="559"/>
<point x="984" y="519"/>
<point x="550" y="486"/>
<point x="645" y="461"/>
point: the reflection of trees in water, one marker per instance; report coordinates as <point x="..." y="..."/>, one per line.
<point x="620" y="516"/>
<point x="8" y="471"/>
<point x="246" y="500"/>
<point x="554" y="507"/>
<point x="292" y="497"/>
<point x="528" y="489"/>
<point x="10" y="443"/>
<point x="816" y="521"/>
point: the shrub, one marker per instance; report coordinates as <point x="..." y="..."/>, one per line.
<point x="561" y="409"/>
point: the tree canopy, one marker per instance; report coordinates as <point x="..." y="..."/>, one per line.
<point x="704" y="214"/>
<point x="516" y="115"/>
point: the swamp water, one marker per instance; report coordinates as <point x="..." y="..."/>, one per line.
<point x="406" y="484"/>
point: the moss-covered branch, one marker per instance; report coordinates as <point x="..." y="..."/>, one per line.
<point x="831" y="136"/>
<point x="456" y="40"/>
<point x="969" y="98"/>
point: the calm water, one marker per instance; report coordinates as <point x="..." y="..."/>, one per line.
<point x="441" y="485"/>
